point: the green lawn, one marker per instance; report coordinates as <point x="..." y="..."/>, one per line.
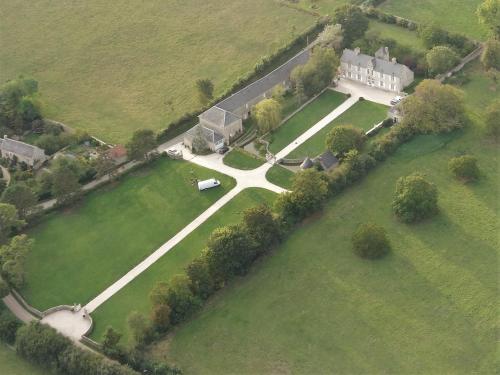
<point x="323" y="7"/>
<point x="135" y="296"/>
<point x="304" y="119"/>
<point x="241" y="159"/>
<point x="401" y="35"/>
<point x="364" y="115"/>
<point x="280" y="176"/>
<point x="138" y="66"/>
<point x="313" y="307"/>
<point x="80" y="251"/>
<point x="454" y="15"/>
<point x="12" y="364"/>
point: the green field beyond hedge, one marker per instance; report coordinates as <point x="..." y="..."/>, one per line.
<point x="82" y="250"/>
<point x="313" y="307"/>
<point x="453" y="15"/>
<point x="363" y="115"/>
<point x="135" y="295"/>
<point x="111" y="67"/>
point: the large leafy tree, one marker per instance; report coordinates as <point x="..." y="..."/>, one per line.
<point x="19" y="106"/>
<point x="9" y="221"/>
<point x="492" y="120"/>
<point x="262" y="227"/>
<point x="230" y="251"/>
<point x="21" y="196"/>
<point x="415" y="198"/>
<point x="143" y="141"/>
<point x="65" y="180"/>
<point x="268" y="115"/>
<point x="12" y="260"/>
<point x="491" y="54"/>
<point x="201" y="282"/>
<point x="353" y="21"/>
<point x="440" y="59"/>
<point x="317" y="73"/>
<point x="342" y="139"/>
<point x="489" y="15"/>
<point x="180" y="299"/>
<point x="434" y="108"/>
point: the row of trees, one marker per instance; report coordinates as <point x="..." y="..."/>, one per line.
<point x="229" y="252"/>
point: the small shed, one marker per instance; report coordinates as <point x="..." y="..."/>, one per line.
<point x="327" y="161"/>
<point x="118" y="154"/>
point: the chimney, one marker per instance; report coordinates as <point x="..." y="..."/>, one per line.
<point x="393" y="60"/>
<point x="357" y="51"/>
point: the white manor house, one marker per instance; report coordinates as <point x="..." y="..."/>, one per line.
<point x="379" y="71"/>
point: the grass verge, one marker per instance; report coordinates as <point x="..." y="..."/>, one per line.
<point x="241" y="159"/>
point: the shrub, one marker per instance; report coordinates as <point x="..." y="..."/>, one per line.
<point x="8" y="327"/>
<point x="370" y="241"/>
<point x="4" y="288"/>
<point x="464" y="167"/>
<point x="492" y="120"/>
<point x="415" y="198"/>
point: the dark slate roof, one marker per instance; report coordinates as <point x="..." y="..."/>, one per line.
<point x="210" y="135"/>
<point x="379" y="65"/>
<point x="327" y="160"/>
<point x="19" y="148"/>
<point x="219" y="116"/>
<point x="253" y="90"/>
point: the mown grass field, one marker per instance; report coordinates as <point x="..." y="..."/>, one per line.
<point x="401" y="35"/>
<point x="280" y="176"/>
<point x="430" y="307"/>
<point x="241" y="159"/>
<point x="323" y="7"/>
<point x="80" y="251"/>
<point x="135" y="295"/>
<point x="453" y="15"/>
<point x="113" y="67"/>
<point x="363" y="115"/>
<point x="303" y="120"/>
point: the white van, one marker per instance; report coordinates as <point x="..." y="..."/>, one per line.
<point x="207" y="184"/>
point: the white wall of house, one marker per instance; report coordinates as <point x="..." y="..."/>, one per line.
<point x="372" y="77"/>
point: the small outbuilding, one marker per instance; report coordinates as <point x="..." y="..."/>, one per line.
<point x="327" y="161"/>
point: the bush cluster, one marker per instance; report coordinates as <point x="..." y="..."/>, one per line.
<point x="370" y="241"/>
<point x="42" y="345"/>
<point x="464" y="167"/>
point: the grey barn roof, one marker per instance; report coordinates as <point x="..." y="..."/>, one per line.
<point x="19" y="148"/>
<point x="253" y="90"/>
<point x="379" y="65"/>
<point x="219" y="116"/>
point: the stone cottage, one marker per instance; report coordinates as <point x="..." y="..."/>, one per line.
<point x="225" y="119"/>
<point x="22" y="152"/>
<point x="378" y="71"/>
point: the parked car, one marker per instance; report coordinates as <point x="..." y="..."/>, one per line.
<point x="396" y="100"/>
<point x="208" y="184"/>
<point x="223" y="150"/>
<point x="174" y="153"/>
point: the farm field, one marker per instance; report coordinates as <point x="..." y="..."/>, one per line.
<point x="314" y="307"/>
<point x="80" y="251"/>
<point x="453" y="15"/>
<point x="241" y="159"/>
<point x="303" y="120"/>
<point x="135" y="295"/>
<point x="280" y="176"/>
<point x="401" y="35"/>
<point x="138" y="66"/>
<point x="363" y="115"/>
